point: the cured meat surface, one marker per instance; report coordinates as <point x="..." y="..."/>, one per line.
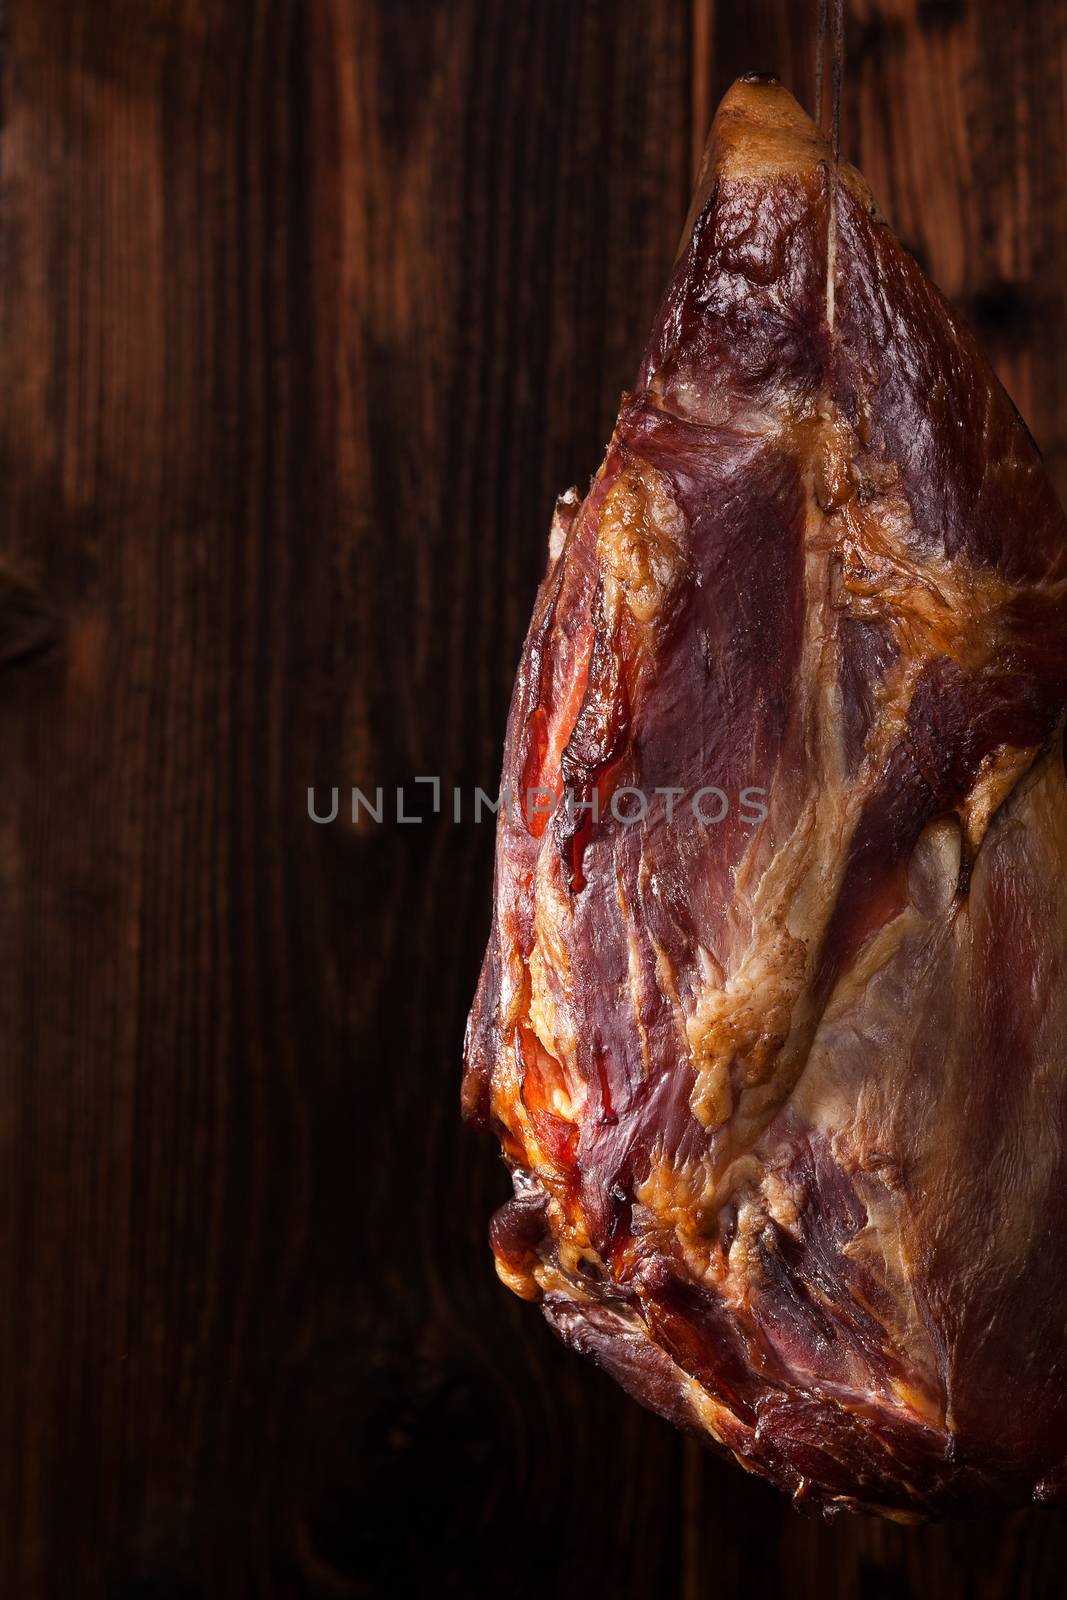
<point x="779" y="1068"/>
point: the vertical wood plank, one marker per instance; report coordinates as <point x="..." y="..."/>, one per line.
<point x="309" y="311"/>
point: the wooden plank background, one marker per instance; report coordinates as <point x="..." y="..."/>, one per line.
<point x="309" y="307"/>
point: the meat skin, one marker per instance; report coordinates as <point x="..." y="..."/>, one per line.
<point x="784" y="1095"/>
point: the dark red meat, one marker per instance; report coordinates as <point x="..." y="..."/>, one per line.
<point x="785" y="1093"/>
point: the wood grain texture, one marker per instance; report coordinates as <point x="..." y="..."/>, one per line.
<point x="309" y="308"/>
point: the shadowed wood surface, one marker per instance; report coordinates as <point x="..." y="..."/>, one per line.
<point x="309" y="308"/>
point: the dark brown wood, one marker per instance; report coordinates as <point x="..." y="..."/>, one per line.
<point x="308" y="310"/>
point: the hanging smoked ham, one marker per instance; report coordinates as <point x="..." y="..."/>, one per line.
<point x="782" y="1082"/>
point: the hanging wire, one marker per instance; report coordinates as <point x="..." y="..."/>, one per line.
<point x="820" y="52"/>
<point x="830" y="36"/>
<point x="839" y="72"/>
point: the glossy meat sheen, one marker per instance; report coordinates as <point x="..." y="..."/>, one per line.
<point x="785" y="1100"/>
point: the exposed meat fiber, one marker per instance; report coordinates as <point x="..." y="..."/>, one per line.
<point x="784" y="1094"/>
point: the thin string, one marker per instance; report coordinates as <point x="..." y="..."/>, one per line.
<point x="839" y="72"/>
<point x="820" y="51"/>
